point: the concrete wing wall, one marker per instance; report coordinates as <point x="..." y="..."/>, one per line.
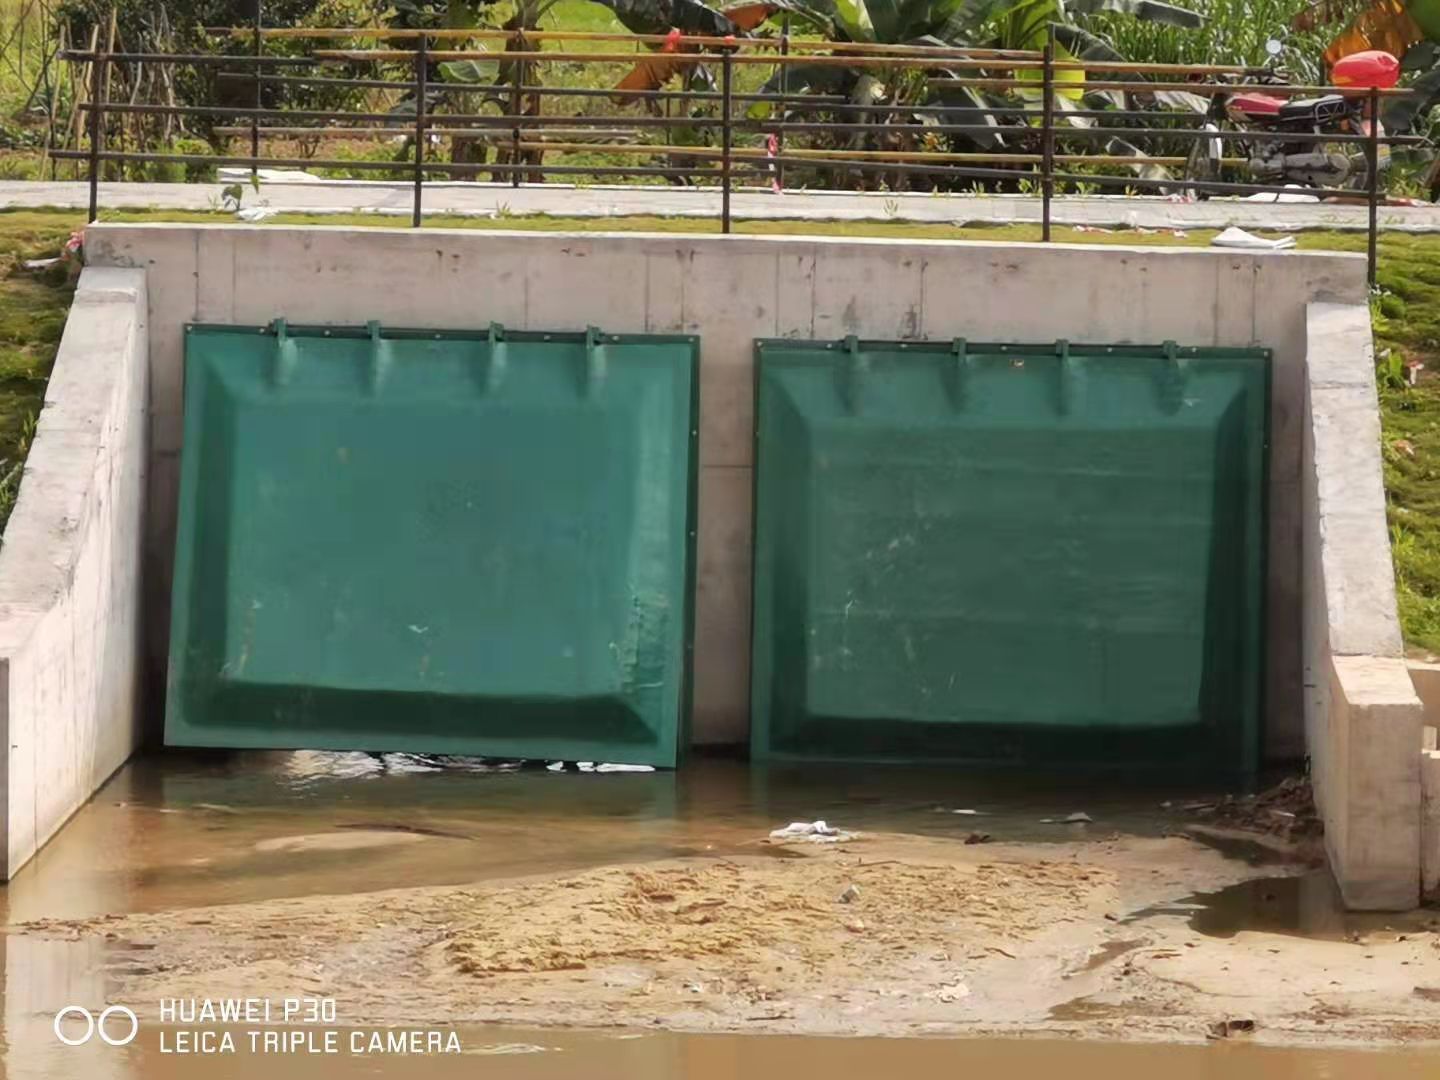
<point x="70" y="614"/>
<point x="1363" y="719"/>
<point x="731" y="290"/>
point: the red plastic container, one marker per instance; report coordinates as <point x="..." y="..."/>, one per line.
<point x="1372" y="68"/>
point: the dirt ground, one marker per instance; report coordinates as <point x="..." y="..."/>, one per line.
<point x="885" y="935"/>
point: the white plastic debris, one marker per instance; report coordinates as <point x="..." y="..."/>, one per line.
<point x="1239" y="238"/>
<point x="257" y="213"/>
<point x="814" y="832"/>
<point x="1297" y="195"/>
<point x="1077" y="818"/>
<point x="238" y="174"/>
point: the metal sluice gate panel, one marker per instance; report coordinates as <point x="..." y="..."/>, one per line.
<point x="1028" y="553"/>
<point x="446" y="542"/>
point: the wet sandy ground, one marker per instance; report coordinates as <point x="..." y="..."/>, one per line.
<point x="653" y="901"/>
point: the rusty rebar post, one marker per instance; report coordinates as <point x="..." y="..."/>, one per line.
<point x="1047" y="137"/>
<point x="517" y="80"/>
<point x="422" y="63"/>
<point x="1372" y="158"/>
<point x="97" y="127"/>
<point x="784" y="86"/>
<point x="259" y="51"/>
<point x="726" y="134"/>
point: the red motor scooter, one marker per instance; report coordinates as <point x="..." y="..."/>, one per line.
<point x="1294" y="137"/>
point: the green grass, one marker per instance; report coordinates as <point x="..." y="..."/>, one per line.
<point x="32" y="315"/>
<point x="1407" y="324"/>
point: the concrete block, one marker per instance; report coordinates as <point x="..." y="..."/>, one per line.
<point x="722" y="606"/>
<point x="1359" y="585"/>
<point x="1425" y="677"/>
<point x="1429" y="824"/>
<point x="70" y="571"/>
<point x="1342" y="352"/>
<point x="795" y="295"/>
<point x="868" y="291"/>
<point x="215" y="282"/>
<point x="665" y="292"/>
<point x="731" y="290"/>
<point x="727" y="410"/>
<point x="578" y="284"/>
<point x="1236" y="284"/>
<point x="1372" y="805"/>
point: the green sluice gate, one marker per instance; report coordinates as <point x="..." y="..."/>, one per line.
<point x="1034" y="554"/>
<point x="435" y="541"/>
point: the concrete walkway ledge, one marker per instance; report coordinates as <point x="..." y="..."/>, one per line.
<point x="1363" y="719"/>
<point x="70" y="571"/>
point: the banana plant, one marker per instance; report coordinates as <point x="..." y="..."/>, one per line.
<point x="1407" y="29"/>
<point x="994" y="24"/>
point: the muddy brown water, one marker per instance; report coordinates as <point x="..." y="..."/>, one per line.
<point x="175" y="831"/>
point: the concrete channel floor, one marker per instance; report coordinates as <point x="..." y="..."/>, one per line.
<point x="418" y="893"/>
<point x="563" y="200"/>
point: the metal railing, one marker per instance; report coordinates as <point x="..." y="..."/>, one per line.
<point x="1038" y="115"/>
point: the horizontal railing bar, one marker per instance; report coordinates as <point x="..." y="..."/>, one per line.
<point x="247" y="33"/>
<point x="406" y="121"/>
<point x="433" y="125"/>
<point x="855" y="155"/>
<point x="1200" y="89"/>
<point x="530" y="56"/>
<point x="408" y="167"/>
<point x="962" y="171"/>
<point x="545" y="91"/>
<point x="86" y="56"/>
<point x="243" y="110"/>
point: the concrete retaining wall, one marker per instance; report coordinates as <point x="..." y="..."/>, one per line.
<point x="70" y="612"/>
<point x="1425" y="675"/>
<point x="1363" y="719"/>
<point x="731" y="290"/>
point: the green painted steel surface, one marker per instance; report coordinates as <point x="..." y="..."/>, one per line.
<point x="1008" y="552"/>
<point x="441" y="542"/>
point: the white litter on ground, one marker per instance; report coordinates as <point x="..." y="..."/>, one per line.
<point x="814" y="832"/>
<point x="1298" y="195"/>
<point x="237" y="174"/>
<point x="1239" y="238"/>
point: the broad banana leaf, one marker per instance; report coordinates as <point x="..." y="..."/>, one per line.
<point x="890" y="22"/>
<point x="1387" y="25"/>
<point x="482" y="72"/>
<point x="1147" y="10"/>
<point x="662" y="16"/>
<point x="964" y="105"/>
<point x="750" y="15"/>
<point x="1427" y="14"/>
<point x="1400" y="113"/>
<point x="1067" y="80"/>
<point x="640" y="17"/>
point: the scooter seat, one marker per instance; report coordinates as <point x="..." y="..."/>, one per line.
<point x="1319" y="107"/>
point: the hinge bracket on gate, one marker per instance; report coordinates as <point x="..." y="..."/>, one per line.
<point x="1066" y="374"/>
<point x="857" y="363"/>
<point x="497" y="359"/>
<point x="596" y="362"/>
<point x="287" y="354"/>
<point x="958" y="374"/>
<point x="1173" y="382"/>
<point x="382" y="357"/>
